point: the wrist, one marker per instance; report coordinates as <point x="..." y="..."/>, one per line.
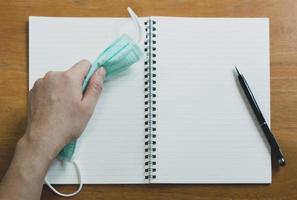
<point x="27" y="146"/>
<point x="39" y="147"/>
<point x="42" y="143"/>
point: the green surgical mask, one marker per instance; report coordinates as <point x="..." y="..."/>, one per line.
<point x="117" y="57"/>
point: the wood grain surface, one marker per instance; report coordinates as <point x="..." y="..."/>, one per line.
<point x="283" y="56"/>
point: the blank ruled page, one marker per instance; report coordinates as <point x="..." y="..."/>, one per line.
<point x="205" y="130"/>
<point x="111" y="149"/>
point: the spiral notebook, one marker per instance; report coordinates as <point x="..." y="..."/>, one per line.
<point x="178" y="115"/>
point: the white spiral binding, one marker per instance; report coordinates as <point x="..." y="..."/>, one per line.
<point x="150" y="100"/>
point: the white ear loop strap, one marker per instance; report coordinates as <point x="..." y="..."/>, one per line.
<point x="140" y="37"/>
<point x="71" y="194"/>
<point x="137" y="24"/>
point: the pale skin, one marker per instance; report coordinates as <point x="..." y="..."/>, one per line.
<point x="58" y="112"/>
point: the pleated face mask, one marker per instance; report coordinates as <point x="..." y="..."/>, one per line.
<point x="116" y="58"/>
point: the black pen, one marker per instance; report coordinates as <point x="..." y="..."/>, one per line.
<point x="269" y="136"/>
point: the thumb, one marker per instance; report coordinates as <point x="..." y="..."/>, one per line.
<point x="94" y="88"/>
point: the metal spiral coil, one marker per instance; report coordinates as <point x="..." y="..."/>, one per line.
<point x="150" y="100"/>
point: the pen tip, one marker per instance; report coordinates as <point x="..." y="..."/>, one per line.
<point x="282" y="162"/>
<point x="238" y="72"/>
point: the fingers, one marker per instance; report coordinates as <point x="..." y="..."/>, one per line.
<point x="94" y="88"/>
<point x="80" y="69"/>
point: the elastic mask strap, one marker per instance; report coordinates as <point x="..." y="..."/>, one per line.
<point x="79" y="180"/>
<point x="137" y="23"/>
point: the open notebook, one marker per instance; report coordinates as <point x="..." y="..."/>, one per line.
<point x="177" y="116"/>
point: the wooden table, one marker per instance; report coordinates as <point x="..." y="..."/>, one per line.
<point x="283" y="47"/>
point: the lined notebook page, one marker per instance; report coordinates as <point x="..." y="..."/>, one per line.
<point x="111" y="149"/>
<point x="205" y="131"/>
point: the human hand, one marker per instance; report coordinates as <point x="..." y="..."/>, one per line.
<point x="58" y="110"/>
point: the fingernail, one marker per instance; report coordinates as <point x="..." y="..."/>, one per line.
<point x="100" y="74"/>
